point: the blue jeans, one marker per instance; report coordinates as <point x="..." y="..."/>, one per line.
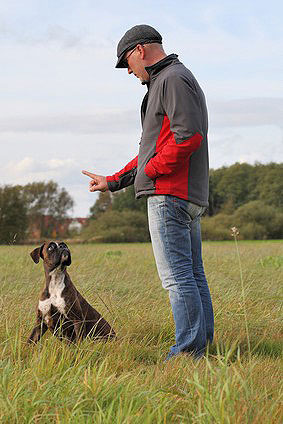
<point x="174" y="226"/>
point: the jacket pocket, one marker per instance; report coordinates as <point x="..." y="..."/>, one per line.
<point x="143" y="182"/>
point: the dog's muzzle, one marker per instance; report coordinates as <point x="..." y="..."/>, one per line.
<point x="65" y="255"/>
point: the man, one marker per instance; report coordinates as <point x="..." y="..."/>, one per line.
<point x="171" y="169"/>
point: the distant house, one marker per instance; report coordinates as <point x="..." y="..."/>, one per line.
<point x="47" y="226"/>
<point x="76" y="224"/>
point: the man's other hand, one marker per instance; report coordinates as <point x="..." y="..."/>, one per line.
<point x="97" y="183"/>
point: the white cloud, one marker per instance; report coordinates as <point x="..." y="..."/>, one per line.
<point x="101" y="122"/>
<point x="60" y="163"/>
<point x="233" y="113"/>
<point x="247" y="112"/>
<point x="21" y="167"/>
<point x="57" y="33"/>
<point x="245" y="144"/>
<point x="29" y="169"/>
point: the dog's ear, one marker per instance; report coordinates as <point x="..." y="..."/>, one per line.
<point x="69" y="261"/>
<point x="36" y="254"/>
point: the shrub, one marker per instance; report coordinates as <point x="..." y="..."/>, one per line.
<point x="253" y="231"/>
<point x="255" y="220"/>
<point x="114" y="226"/>
<point x="217" y="227"/>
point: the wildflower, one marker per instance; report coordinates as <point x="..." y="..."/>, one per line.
<point x="234" y="232"/>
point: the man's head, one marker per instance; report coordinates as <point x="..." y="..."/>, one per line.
<point x="139" y="47"/>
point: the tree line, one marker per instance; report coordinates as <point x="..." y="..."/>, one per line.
<point x="242" y="195"/>
<point x="24" y="205"/>
<point x="248" y="197"/>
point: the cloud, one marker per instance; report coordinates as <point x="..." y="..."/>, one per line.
<point x="52" y="34"/>
<point x="247" y="112"/>
<point x="57" y="33"/>
<point x="66" y="172"/>
<point x="21" y="167"/>
<point x="103" y="122"/>
<point x="60" y="163"/>
<point x="29" y="169"/>
<point x="233" y="113"/>
<point x="249" y="144"/>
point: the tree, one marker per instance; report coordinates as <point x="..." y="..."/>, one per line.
<point x="234" y="186"/>
<point x="215" y="201"/>
<point x="46" y="199"/>
<point x="102" y="204"/>
<point x="119" y="217"/>
<point x="61" y="204"/>
<point x="237" y="184"/>
<point x="270" y="184"/>
<point x="119" y="201"/>
<point x="126" y="200"/>
<point x="13" y="215"/>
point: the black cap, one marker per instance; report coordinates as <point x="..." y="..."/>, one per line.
<point x="139" y="34"/>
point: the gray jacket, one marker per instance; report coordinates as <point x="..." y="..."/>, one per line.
<point x="173" y="153"/>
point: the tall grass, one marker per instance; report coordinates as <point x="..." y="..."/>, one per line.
<point x="235" y="233"/>
<point x="126" y="381"/>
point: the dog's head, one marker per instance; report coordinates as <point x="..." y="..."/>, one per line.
<point x="53" y="254"/>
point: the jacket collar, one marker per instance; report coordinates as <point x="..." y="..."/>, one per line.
<point x="153" y="70"/>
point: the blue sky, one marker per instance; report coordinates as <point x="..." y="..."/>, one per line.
<point x="64" y="107"/>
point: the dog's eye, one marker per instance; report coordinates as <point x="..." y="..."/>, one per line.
<point x="51" y="247"/>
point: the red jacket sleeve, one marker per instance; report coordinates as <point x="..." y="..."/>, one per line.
<point x="172" y="156"/>
<point x="124" y="177"/>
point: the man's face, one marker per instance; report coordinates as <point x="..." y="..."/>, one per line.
<point x="134" y="60"/>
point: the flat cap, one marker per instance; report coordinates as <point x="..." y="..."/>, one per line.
<point x="139" y="34"/>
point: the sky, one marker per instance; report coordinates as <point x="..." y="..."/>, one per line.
<point x="64" y="107"/>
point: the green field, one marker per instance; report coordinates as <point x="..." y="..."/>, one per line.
<point x="126" y="381"/>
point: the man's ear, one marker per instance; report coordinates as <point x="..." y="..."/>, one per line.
<point x="36" y="254"/>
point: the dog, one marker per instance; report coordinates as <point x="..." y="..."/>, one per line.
<point x="61" y="308"/>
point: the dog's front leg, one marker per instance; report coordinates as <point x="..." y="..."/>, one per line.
<point x="38" y="331"/>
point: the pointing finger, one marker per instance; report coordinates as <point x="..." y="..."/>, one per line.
<point x="89" y="174"/>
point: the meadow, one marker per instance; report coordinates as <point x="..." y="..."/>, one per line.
<point x="126" y="381"/>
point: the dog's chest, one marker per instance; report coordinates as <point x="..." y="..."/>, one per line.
<point x="56" y="287"/>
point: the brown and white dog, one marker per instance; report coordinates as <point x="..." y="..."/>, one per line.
<point x="61" y="308"/>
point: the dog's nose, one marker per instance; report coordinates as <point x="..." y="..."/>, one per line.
<point x="63" y="248"/>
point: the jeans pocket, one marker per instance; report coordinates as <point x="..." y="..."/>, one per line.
<point x="187" y="211"/>
<point x="195" y="211"/>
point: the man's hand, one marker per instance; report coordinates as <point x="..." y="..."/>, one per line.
<point x="97" y="183"/>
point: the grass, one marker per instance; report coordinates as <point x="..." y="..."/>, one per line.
<point x="126" y="381"/>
